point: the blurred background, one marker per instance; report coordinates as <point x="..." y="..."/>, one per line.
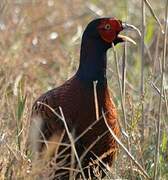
<point x="39" y="50"/>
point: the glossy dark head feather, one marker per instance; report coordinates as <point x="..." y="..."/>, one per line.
<point x="104" y="29"/>
<point x="97" y="39"/>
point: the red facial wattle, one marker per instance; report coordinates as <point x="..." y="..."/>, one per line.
<point x="110" y="34"/>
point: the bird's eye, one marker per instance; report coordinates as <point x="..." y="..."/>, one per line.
<point x="107" y="27"/>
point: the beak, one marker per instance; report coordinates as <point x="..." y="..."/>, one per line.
<point x="126" y="38"/>
<point x="131" y="28"/>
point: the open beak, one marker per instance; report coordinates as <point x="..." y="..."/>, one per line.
<point x="128" y="27"/>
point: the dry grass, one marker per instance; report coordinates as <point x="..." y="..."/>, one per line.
<point x="39" y="50"/>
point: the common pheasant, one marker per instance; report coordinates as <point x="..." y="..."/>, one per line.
<point x="76" y="99"/>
